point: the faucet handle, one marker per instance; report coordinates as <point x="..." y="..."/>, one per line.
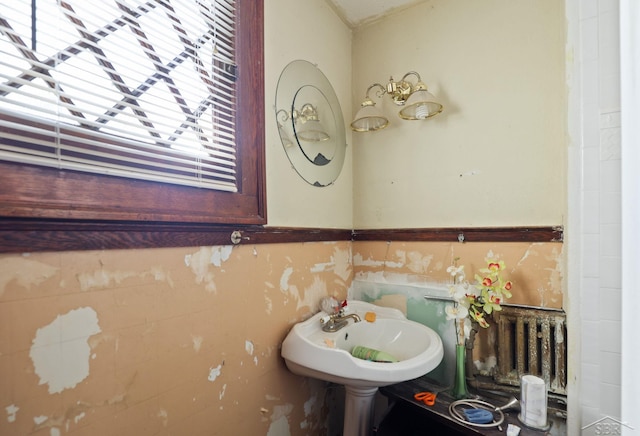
<point x="345" y="309"/>
<point x="329" y="305"/>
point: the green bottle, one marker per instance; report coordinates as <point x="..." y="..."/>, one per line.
<point x="373" y="355"/>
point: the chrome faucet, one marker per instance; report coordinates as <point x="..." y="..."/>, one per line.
<point x="355" y="317"/>
<point x="337" y="321"/>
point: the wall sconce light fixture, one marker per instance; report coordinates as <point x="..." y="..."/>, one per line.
<point x="417" y="104"/>
<point x="311" y="129"/>
<point x="307" y="125"/>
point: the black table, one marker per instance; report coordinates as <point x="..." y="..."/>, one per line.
<point x="409" y="417"/>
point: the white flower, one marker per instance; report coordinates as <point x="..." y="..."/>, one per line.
<point x="459" y="291"/>
<point x="456" y="312"/>
<point x="457" y="272"/>
<point x="467" y="328"/>
<point x="453" y="270"/>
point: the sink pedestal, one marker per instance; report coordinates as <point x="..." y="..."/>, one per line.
<point x="358" y="410"/>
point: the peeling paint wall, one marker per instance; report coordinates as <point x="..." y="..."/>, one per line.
<point x="401" y="274"/>
<point x="187" y="340"/>
<point x="536" y="269"/>
<point x="171" y="341"/>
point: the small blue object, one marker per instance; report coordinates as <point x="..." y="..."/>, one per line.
<point x="478" y="416"/>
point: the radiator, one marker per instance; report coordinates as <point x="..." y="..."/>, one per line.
<point x="532" y="341"/>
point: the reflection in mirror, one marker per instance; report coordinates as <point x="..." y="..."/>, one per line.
<point x="314" y="136"/>
<point x="310" y="123"/>
<point x="310" y="128"/>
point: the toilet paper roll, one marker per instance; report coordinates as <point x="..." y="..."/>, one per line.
<point x="533" y="401"/>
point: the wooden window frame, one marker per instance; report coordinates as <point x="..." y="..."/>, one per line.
<point x="33" y="198"/>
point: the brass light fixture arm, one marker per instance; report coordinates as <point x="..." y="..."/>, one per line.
<point x="410" y="73"/>
<point x="380" y="93"/>
<point x="285" y="116"/>
<point x="306" y="113"/>
<point x="400" y="91"/>
<point x="367" y="100"/>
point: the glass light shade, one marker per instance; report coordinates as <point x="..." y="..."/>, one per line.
<point x="312" y="131"/>
<point x="284" y="137"/>
<point x="368" y="119"/>
<point x="420" y="105"/>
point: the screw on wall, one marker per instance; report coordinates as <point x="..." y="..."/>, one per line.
<point x="236" y="237"/>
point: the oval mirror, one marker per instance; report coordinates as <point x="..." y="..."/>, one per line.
<point x="310" y="123"/>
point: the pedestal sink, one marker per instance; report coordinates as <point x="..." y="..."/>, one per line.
<point x="309" y="351"/>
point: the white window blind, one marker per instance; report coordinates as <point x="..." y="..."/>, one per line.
<point x="128" y="88"/>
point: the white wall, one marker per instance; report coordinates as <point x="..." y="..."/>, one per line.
<point x="594" y="232"/>
<point x="496" y="156"/>
<point x="307" y="30"/>
<point x="630" y="156"/>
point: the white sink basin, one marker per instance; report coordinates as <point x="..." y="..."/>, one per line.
<point x="311" y="352"/>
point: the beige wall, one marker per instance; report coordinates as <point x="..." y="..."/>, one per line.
<point x="169" y="341"/>
<point x="308" y="30"/>
<point x="496" y="155"/>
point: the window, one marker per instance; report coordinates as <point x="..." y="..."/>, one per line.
<point x="132" y="111"/>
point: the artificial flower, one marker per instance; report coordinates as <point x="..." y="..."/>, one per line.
<point x="478" y="317"/>
<point x="456" y="312"/>
<point x="475" y="302"/>
<point x="456" y="271"/>
<point x="459" y="291"/>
